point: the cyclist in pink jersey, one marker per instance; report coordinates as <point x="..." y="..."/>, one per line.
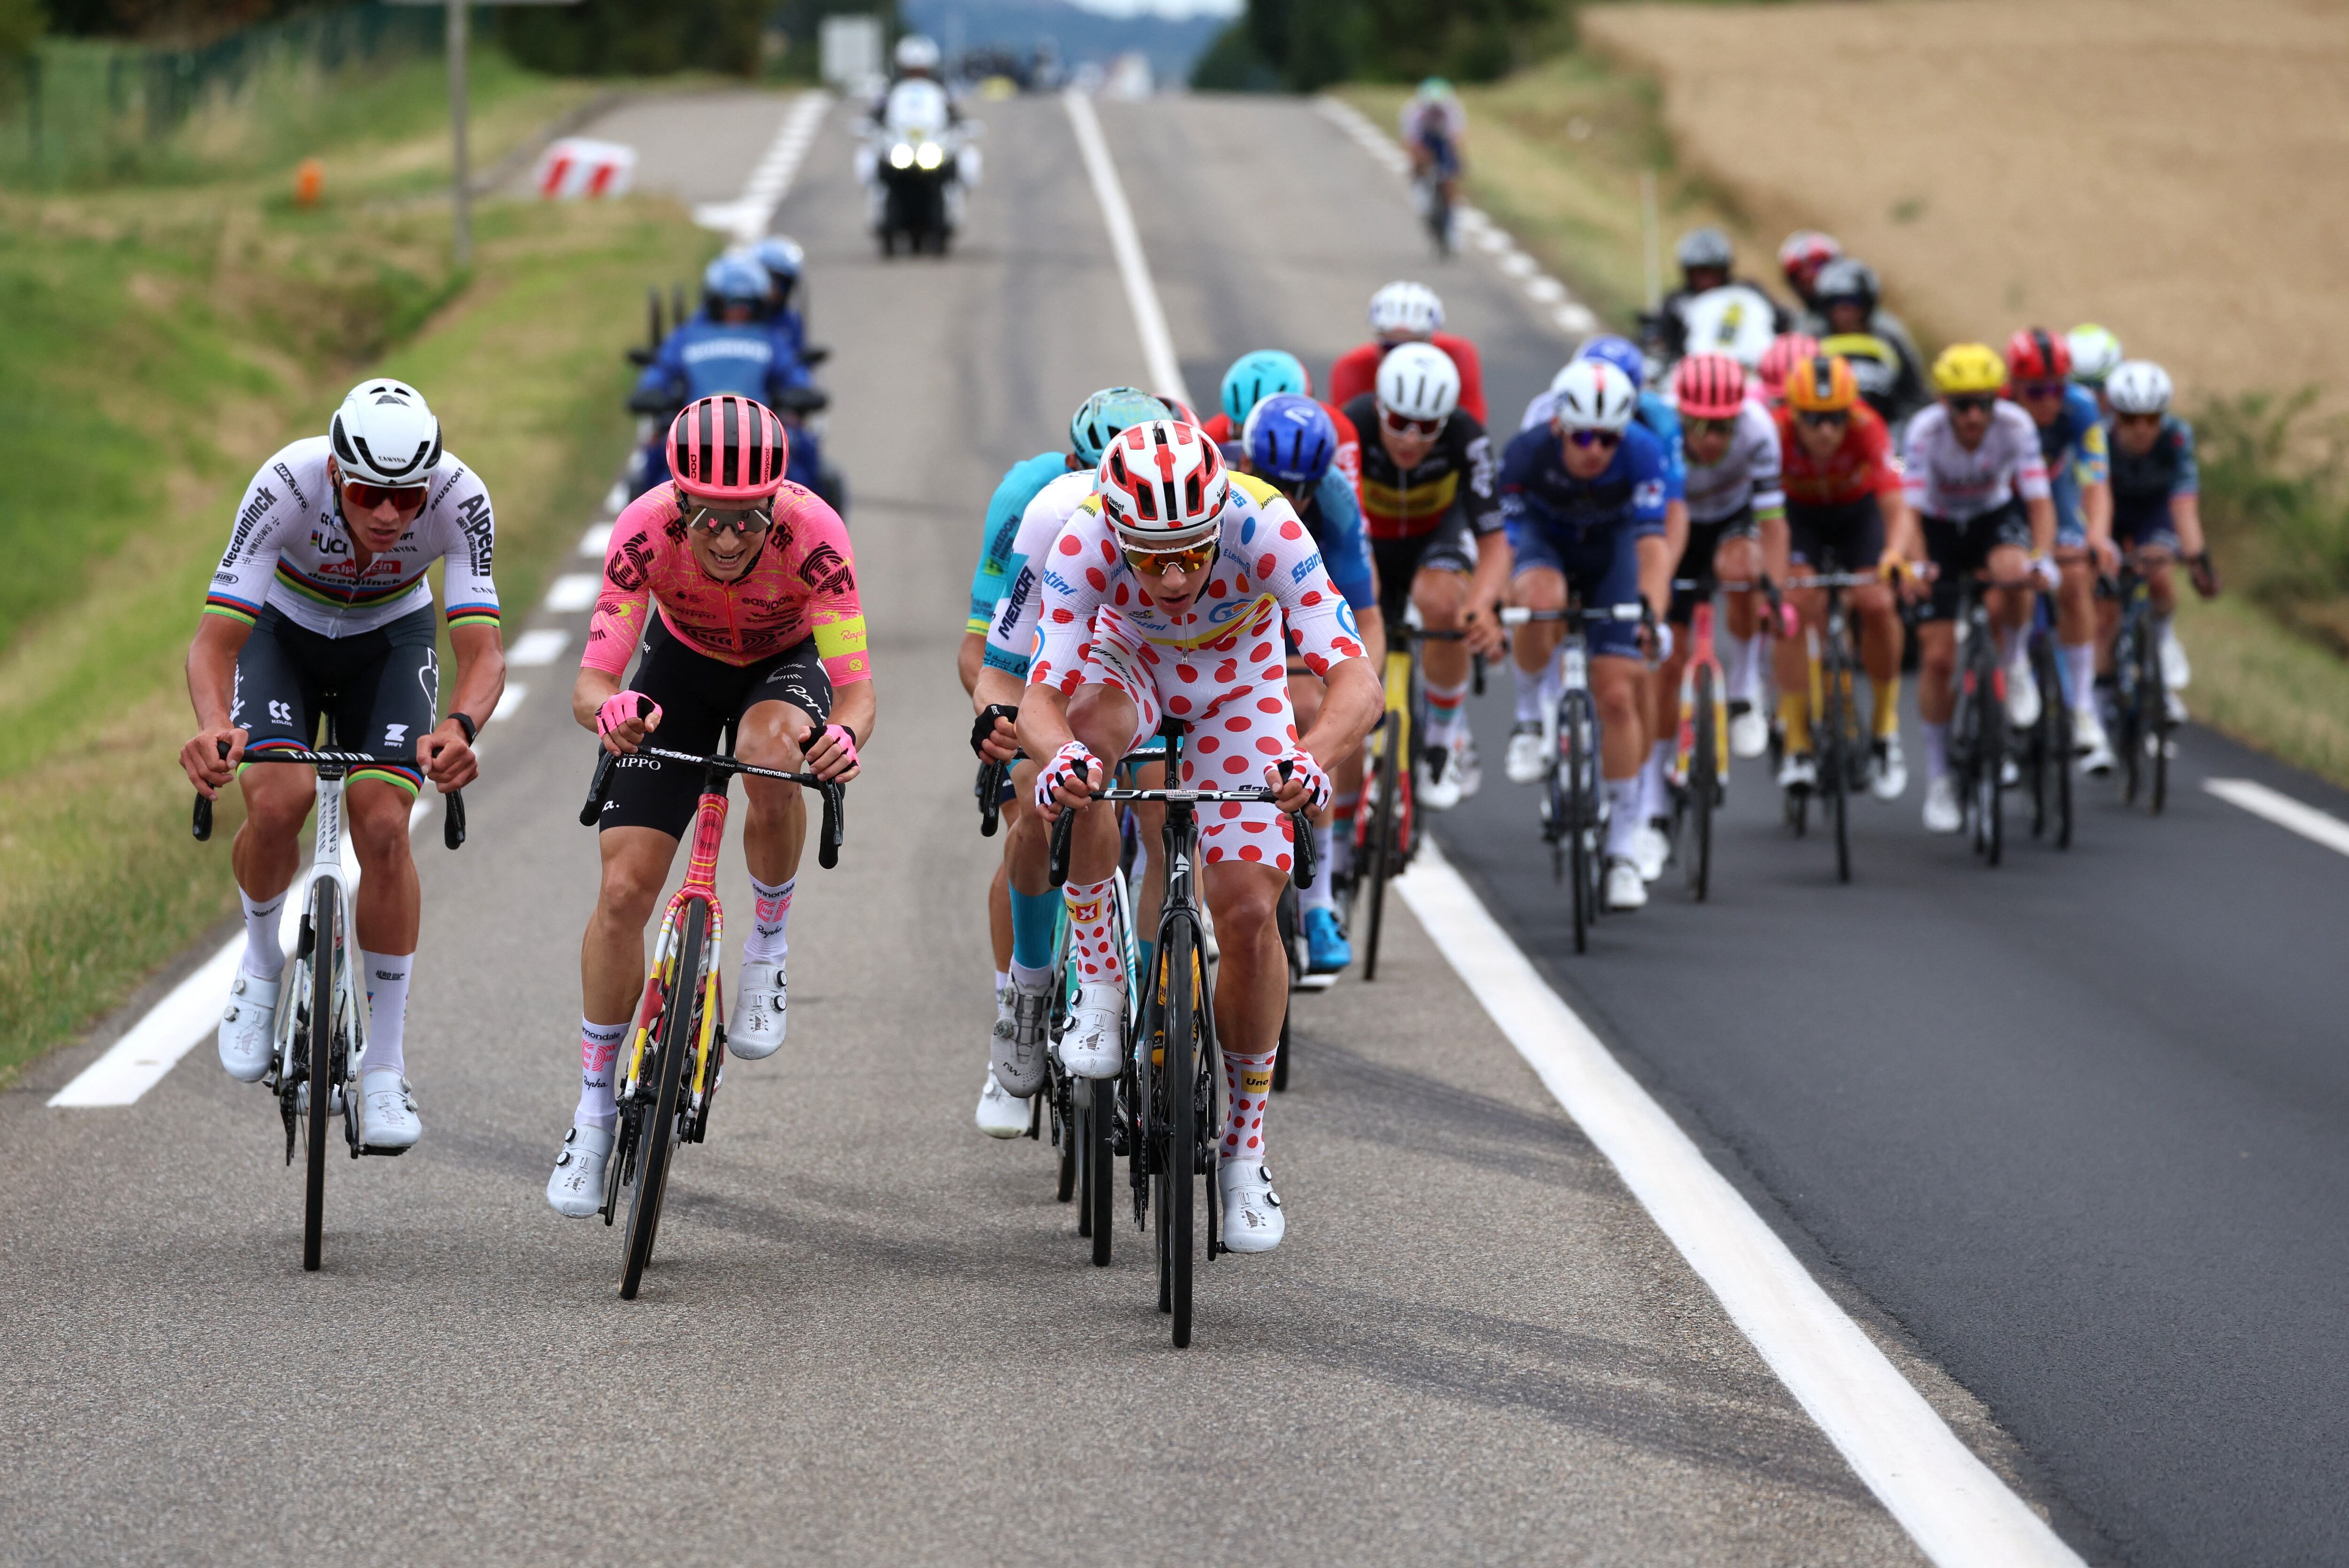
<point x="740" y="590"/>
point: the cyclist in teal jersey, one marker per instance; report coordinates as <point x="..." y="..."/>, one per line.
<point x="2071" y="444"/>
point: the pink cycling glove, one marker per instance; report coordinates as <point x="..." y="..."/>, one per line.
<point x="844" y="737"/>
<point x="622" y="707"/>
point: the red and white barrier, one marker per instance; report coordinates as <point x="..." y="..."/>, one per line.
<point x="578" y="166"/>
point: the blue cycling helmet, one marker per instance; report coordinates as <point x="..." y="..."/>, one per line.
<point x="1253" y="377"/>
<point x="779" y="257"/>
<point x="1619" y="352"/>
<point x="734" y="280"/>
<point x="1104" y="414"/>
<point x="1289" y="439"/>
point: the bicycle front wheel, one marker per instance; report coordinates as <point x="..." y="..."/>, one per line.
<point x="1099" y="1183"/>
<point x="657" y="1138"/>
<point x="1702" y="783"/>
<point x="1178" y="1165"/>
<point x="326" y="944"/>
<point x="2153" y="694"/>
<point x="1835" y="755"/>
<point x="1381" y="836"/>
<point x="1576" y="739"/>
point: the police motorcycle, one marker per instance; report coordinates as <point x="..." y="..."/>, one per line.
<point x="916" y="160"/>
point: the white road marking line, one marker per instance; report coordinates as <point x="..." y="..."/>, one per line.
<point x="616" y="501"/>
<point x="746" y="217"/>
<point x="509" y="701"/>
<point x="539" y="645"/>
<point x="572" y="591"/>
<point x="1958" y="1513"/>
<point x="597" y="537"/>
<point x="1149" y="318"/>
<point x="2280" y="808"/>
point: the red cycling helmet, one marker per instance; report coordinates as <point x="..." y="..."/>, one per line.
<point x="1709" y="386"/>
<point x="2035" y="353"/>
<point x="727" y="450"/>
<point x="1805" y="252"/>
<point x="1787" y="350"/>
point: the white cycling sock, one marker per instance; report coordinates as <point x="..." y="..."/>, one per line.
<point x="1316" y="895"/>
<point x="1443" y="715"/>
<point x="1937" y="748"/>
<point x="2010" y="642"/>
<point x="1745" y="670"/>
<point x="1529" y="694"/>
<point x="599" y="1048"/>
<point x="264" y="957"/>
<point x="1623" y="814"/>
<point x="1248" y="1087"/>
<point x="1092" y="936"/>
<point x="771" y="911"/>
<point x="2080" y="664"/>
<point x="1655" y="794"/>
<point x="1030" y="980"/>
<point x="387" y="988"/>
<point x="1341" y="840"/>
<point x="1552" y="682"/>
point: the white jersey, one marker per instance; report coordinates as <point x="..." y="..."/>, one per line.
<point x="1944" y="480"/>
<point x="1011" y="635"/>
<point x="291" y="551"/>
<point x="1746" y="476"/>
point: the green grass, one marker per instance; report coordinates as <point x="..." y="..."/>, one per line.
<point x="163" y="340"/>
<point x="2275" y="498"/>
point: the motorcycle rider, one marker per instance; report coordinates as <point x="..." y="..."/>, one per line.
<point x="729" y="348"/>
<point x="916" y="96"/>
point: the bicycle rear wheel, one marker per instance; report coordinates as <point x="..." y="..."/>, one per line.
<point x="1702" y="783"/>
<point x="1383" y="813"/>
<point x="2153" y="694"/>
<point x="1576" y="735"/>
<point x="1064" y="1113"/>
<point x="2053" y="802"/>
<point x="1834" y="759"/>
<point x="2127" y="716"/>
<point x="657" y="1136"/>
<point x="1178" y="1164"/>
<point x="326" y="942"/>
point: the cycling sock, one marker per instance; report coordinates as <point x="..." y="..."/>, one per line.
<point x="599" y="1046"/>
<point x="1342" y="839"/>
<point x="1887" y="707"/>
<point x="1316" y="895"/>
<point x="1795" y="718"/>
<point x="264" y="957"/>
<point x="1655" y="792"/>
<point x="1553" y="683"/>
<point x="1936" y="749"/>
<point x="1745" y="667"/>
<point x="1034" y="916"/>
<point x="1092" y="941"/>
<point x="1443" y="711"/>
<point x="1247" y="1086"/>
<point x="2010" y="642"/>
<point x="1529" y="694"/>
<point x="386" y="989"/>
<point x="2080" y="665"/>
<point x="1031" y="978"/>
<point x="770" y="911"/>
<point x="1623" y="818"/>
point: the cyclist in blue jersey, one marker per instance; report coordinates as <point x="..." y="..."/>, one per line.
<point x="1290" y="446"/>
<point x="2071" y="442"/>
<point x="2156" y="507"/>
<point x="730" y="347"/>
<point x="1036" y="498"/>
<point x="1584" y="499"/>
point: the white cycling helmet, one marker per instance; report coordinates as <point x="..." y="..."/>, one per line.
<point x="1405" y="310"/>
<point x="1592" y="395"/>
<point x="2138" y="387"/>
<point x="916" y="52"/>
<point x="1418" y="381"/>
<point x="2095" y="352"/>
<point x="1162" y="485"/>
<point x="385" y="435"/>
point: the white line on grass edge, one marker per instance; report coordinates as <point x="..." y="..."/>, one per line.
<point x="1946" y="1499"/>
<point x="1949" y="1501"/>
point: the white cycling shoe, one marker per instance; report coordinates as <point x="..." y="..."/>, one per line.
<point x="576" y="1188"/>
<point x="1001" y="1114"/>
<point x="1888" y="779"/>
<point x="1650" y="850"/>
<point x="2176" y="673"/>
<point x="1252" y="1217"/>
<point x="2090" y="743"/>
<point x="1626" y="889"/>
<point x="1458" y="778"/>
<point x="757" y="1028"/>
<point x="1528" y="761"/>
<point x="1798" y="774"/>
<point x="1749" y="732"/>
<point x="2021" y="692"/>
<point x="1094" y="1045"/>
<point x="248" y="1031"/>
<point x="388" y="1117"/>
<point x="1016" y="1058"/>
<point x="1942" y="812"/>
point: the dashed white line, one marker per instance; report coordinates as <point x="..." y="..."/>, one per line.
<point x="2318" y="827"/>
<point x="599" y="536"/>
<point x="572" y="591"/>
<point x="509" y="701"/>
<point x="1949" y="1501"/>
<point x="746" y="217"/>
<point x="539" y="645"/>
<point x="1141" y="293"/>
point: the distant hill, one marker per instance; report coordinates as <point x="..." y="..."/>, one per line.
<point x="1078" y="35"/>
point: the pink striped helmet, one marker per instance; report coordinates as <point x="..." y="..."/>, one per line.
<point x="727" y="450"/>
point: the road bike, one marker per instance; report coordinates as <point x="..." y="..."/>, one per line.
<point x="2142" y="724"/>
<point x="1839" y="741"/>
<point x="1079" y="1109"/>
<point x="1700" y="776"/>
<point x="676" y="1058"/>
<point x="2048" y="752"/>
<point x="1574" y="800"/>
<point x="1166" y="1088"/>
<point x="322" y="1015"/>
<point x="1386" y="832"/>
<point x="1979" y="738"/>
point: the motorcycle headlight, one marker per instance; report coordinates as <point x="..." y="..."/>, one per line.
<point x="931" y="155"/>
<point x="901" y="156"/>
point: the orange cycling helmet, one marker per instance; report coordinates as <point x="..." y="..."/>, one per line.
<point x="1821" y="384"/>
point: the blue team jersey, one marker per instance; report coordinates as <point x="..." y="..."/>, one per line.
<point x="1022" y="482"/>
<point x="1336" y="521"/>
<point x="1663" y="422"/>
<point x="1626" y="500"/>
<point x="2073" y="444"/>
<point x="790" y="333"/>
<point x="2142" y="486"/>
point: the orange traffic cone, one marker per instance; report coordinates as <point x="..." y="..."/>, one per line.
<point x="309" y="180"/>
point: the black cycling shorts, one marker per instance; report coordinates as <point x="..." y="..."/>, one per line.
<point x="1696" y="560"/>
<point x="1847" y="536"/>
<point x="1963" y="548"/>
<point x="699" y="697"/>
<point x="383" y="688"/>
<point x="1449" y="546"/>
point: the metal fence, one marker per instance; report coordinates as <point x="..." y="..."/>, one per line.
<point x="86" y="110"/>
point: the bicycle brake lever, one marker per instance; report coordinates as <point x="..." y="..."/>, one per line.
<point x="1064" y="828"/>
<point x="202" y="824"/>
<point x="827" y="853"/>
<point x="452" y="819"/>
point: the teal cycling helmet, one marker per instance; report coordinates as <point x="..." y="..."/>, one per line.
<point x="1267" y="372"/>
<point x="1104" y="414"/>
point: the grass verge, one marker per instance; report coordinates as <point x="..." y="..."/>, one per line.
<point x="186" y="331"/>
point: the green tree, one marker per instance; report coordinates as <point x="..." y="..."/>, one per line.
<point x="626" y="37"/>
<point x="21" y="25"/>
<point x="1307" y="44"/>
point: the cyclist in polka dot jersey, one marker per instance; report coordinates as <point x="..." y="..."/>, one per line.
<point x="1166" y="595"/>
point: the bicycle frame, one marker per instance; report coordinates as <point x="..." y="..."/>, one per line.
<point x="661" y="977"/>
<point x="1702" y="656"/>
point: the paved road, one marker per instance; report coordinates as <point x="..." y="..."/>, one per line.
<point x="870" y="1335"/>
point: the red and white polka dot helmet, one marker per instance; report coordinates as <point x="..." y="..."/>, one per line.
<point x="1162" y="485"/>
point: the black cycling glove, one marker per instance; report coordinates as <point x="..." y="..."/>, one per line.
<point x="983" y="725"/>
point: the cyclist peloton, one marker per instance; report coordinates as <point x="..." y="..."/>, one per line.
<point x="1585" y="499"/>
<point x="1289" y="447"/>
<point x="2071" y="444"/>
<point x="2156" y="507"/>
<point x="1024" y="909"/>
<point x="1429" y="506"/>
<point x="1785" y="351"/>
<point x="1845" y="505"/>
<point x="1849" y="321"/>
<point x="1405" y="313"/>
<point x="740" y="588"/>
<point x="1267" y="373"/>
<point x="1974" y="475"/>
<point x="1170" y="599"/>
<point x="1800" y="256"/>
<point x="321" y="602"/>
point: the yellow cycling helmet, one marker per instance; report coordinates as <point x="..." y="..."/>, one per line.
<point x="1966" y="368"/>
<point x="1823" y="384"/>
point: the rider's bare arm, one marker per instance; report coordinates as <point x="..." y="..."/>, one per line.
<point x="445" y="755"/>
<point x="969" y="661"/>
<point x="1655" y="573"/>
<point x="1491" y="581"/>
<point x="212" y="683"/>
<point x="2042" y="513"/>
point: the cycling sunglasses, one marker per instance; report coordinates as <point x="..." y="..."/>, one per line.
<point x="1711" y="427"/>
<point x="1401" y="426"/>
<point x="1970" y="402"/>
<point x="2137" y="418"/>
<point x="2035" y="390"/>
<point x="1159" y="562"/>
<point x="360" y="496"/>
<point x="1605" y="441"/>
<point x="1823" y="419"/>
<point x="748" y="522"/>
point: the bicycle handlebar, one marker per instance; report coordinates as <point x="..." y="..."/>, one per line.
<point x="452" y="820"/>
<point x="1303" y="861"/>
<point x="834" y="829"/>
<point x="1517" y="614"/>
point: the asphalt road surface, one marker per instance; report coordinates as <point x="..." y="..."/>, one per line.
<point x="2055" y="1134"/>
